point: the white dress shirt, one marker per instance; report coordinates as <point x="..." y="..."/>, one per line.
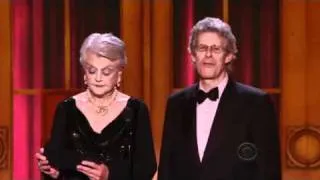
<point x="206" y="112"/>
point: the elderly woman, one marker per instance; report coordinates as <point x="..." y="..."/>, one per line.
<point x="100" y="133"/>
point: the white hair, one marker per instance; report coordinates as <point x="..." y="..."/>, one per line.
<point x="106" y="45"/>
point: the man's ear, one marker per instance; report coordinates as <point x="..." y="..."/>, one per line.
<point x="229" y="58"/>
<point x="189" y="51"/>
<point x="120" y="73"/>
<point x="193" y="59"/>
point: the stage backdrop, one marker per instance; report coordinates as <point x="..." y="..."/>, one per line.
<point x="46" y="37"/>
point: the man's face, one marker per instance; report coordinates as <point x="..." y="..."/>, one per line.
<point x="210" y="57"/>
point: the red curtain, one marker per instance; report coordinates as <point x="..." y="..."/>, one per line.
<point x="87" y="17"/>
<point x="39" y="63"/>
<point x="27" y="39"/>
<point x="242" y="23"/>
<point x="183" y="21"/>
<point x="53" y="44"/>
<point x="269" y="44"/>
<point x="255" y="24"/>
<point x="186" y="13"/>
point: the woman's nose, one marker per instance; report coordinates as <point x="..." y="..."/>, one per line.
<point x="98" y="77"/>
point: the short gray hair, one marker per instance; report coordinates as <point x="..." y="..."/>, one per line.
<point x="106" y="45"/>
<point x="210" y="24"/>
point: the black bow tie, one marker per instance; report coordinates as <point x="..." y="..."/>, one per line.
<point x="213" y="95"/>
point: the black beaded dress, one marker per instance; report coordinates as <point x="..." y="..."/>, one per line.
<point x="125" y="145"/>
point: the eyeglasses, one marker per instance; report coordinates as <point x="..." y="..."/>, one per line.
<point x="213" y="49"/>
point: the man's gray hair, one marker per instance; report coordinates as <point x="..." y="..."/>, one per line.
<point x="210" y="24"/>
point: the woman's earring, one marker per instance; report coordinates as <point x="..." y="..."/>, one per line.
<point x="85" y="81"/>
<point x="117" y="86"/>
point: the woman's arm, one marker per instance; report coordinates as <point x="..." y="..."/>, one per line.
<point x="55" y="150"/>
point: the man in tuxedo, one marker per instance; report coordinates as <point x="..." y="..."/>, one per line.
<point x="218" y="129"/>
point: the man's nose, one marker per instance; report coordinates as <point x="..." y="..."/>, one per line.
<point x="209" y="52"/>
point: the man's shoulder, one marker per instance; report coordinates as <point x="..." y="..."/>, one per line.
<point x="245" y="89"/>
<point x="183" y="92"/>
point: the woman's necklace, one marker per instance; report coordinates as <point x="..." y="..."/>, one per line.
<point x="102" y="109"/>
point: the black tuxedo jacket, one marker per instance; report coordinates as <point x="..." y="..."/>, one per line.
<point x="243" y="143"/>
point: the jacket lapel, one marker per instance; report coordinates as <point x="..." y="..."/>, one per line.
<point x="189" y="119"/>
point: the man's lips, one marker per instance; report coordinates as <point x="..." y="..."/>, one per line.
<point x="208" y="63"/>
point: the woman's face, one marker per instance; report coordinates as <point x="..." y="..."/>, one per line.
<point x="101" y="74"/>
